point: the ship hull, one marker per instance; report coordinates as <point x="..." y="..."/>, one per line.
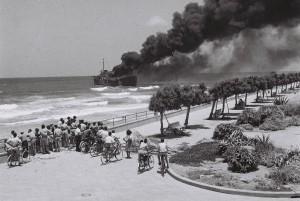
<point x="129" y="80"/>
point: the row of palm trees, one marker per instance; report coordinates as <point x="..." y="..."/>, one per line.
<point x="235" y="87"/>
<point x="174" y="97"/>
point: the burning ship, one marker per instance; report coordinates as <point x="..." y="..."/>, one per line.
<point x="107" y="78"/>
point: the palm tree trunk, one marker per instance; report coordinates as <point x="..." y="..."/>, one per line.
<point x="212" y="109"/>
<point x="161" y="123"/>
<point x="223" y="107"/>
<point x="235" y="99"/>
<point x="257" y="95"/>
<point x="187" y="116"/>
<point x="246" y="99"/>
<point x="263" y="93"/>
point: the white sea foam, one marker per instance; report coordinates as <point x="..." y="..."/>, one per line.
<point x="8" y="106"/>
<point x="25" y="122"/>
<point x="116" y="94"/>
<point x="96" y="103"/>
<point x="132" y="89"/>
<point x="149" y="87"/>
<point x="100" y="89"/>
<point x="140" y="98"/>
<point x="19" y="113"/>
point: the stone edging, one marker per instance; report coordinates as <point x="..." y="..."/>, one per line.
<point x="292" y="194"/>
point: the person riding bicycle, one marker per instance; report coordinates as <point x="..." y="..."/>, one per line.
<point x="162" y="152"/>
<point x="13" y="144"/>
<point x="109" y="144"/>
<point x="143" y="150"/>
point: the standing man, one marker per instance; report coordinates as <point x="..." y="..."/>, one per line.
<point x="32" y="139"/>
<point x="57" y="138"/>
<point x="128" y="141"/>
<point x="78" y="137"/>
<point x="44" y="140"/>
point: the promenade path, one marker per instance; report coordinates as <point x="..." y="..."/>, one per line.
<point x="69" y="175"/>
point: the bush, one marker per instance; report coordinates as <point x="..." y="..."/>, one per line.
<point x="249" y="117"/>
<point x="237" y="138"/>
<point x="273" y="124"/>
<point x="268" y="111"/>
<point x="247" y="127"/>
<point x="223" y="131"/>
<point x="292" y="109"/>
<point x="265" y="150"/>
<point x="241" y="159"/>
<point x="293" y="121"/>
<point x="287" y="174"/>
<point x="195" y="155"/>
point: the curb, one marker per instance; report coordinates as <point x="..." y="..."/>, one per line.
<point x="271" y="194"/>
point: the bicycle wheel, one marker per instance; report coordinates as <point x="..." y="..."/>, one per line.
<point x="84" y="147"/>
<point x="140" y="165"/>
<point x="9" y="160"/>
<point x="93" y="151"/>
<point x="104" y="159"/>
<point x="151" y="161"/>
<point x="119" y="154"/>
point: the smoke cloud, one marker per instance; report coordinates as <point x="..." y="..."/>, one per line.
<point x="225" y="35"/>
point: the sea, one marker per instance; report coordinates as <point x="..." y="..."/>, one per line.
<point x="29" y="102"/>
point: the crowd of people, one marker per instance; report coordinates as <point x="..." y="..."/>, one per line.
<point x="70" y="131"/>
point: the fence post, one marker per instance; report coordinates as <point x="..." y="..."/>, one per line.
<point x="125" y="118"/>
<point x="113" y="122"/>
<point x="146" y="115"/>
<point x="135" y="116"/>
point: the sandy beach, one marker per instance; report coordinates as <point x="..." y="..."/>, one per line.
<point x="74" y="176"/>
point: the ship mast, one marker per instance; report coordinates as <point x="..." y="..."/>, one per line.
<point x="103" y="64"/>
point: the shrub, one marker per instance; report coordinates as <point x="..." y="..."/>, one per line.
<point x="273" y="124"/>
<point x="264" y="148"/>
<point x="237" y="138"/>
<point x="249" y="117"/>
<point x="195" y="155"/>
<point x="247" y="127"/>
<point x="281" y="101"/>
<point x="223" y="131"/>
<point x="269" y="185"/>
<point x="268" y="111"/>
<point x="287" y="174"/>
<point x="292" y="109"/>
<point x="293" y="121"/>
<point x="241" y="159"/>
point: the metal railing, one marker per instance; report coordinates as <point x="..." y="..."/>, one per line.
<point x="128" y="118"/>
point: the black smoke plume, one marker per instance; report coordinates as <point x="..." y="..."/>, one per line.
<point x="216" y="20"/>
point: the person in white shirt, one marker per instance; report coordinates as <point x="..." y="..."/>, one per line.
<point x="78" y="137"/>
<point x="109" y="145"/>
<point x="162" y="152"/>
<point x="143" y="150"/>
<point x="57" y="138"/>
<point x="128" y="140"/>
<point x="13" y="144"/>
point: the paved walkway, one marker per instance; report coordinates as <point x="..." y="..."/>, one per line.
<point x="72" y="176"/>
<point x="75" y="176"/>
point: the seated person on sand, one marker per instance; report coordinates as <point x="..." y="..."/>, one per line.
<point x="13" y="144"/>
<point x="143" y="150"/>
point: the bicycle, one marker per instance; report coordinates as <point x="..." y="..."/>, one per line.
<point x="106" y="155"/>
<point x="163" y="160"/>
<point x="85" y="145"/>
<point x="146" y="160"/>
<point x="96" y="148"/>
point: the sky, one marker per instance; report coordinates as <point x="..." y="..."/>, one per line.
<point x="44" y="38"/>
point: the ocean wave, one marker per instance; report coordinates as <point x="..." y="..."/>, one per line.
<point x="116" y="94"/>
<point x="96" y="103"/>
<point x="132" y="89"/>
<point x="8" y="106"/>
<point x="25" y="122"/>
<point x="149" y="87"/>
<point x="100" y="89"/>
<point x="14" y="114"/>
<point x="140" y="98"/>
